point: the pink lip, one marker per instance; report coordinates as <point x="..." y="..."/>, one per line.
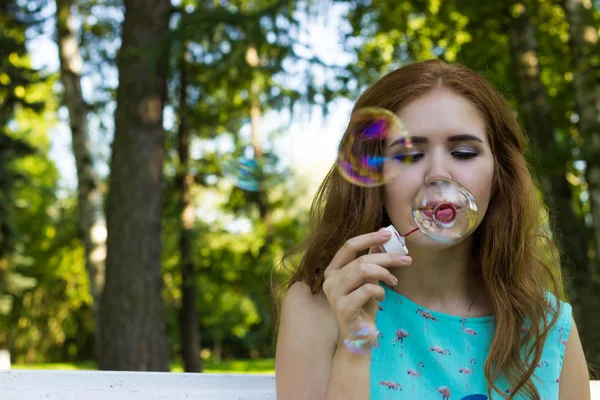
<point x="428" y="210"/>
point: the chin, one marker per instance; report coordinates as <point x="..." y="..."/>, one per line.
<point x="419" y="240"/>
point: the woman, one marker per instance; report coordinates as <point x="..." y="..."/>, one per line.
<point x="467" y="320"/>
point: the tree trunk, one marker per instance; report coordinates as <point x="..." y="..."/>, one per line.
<point x="132" y="312"/>
<point x="92" y="224"/>
<point x="571" y="236"/>
<point x="188" y="320"/>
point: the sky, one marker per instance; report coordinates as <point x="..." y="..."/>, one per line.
<point x="311" y="144"/>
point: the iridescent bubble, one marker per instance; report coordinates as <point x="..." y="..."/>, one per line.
<point x="375" y="149"/>
<point x="249" y="172"/>
<point x="255" y="164"/>
<point x="362" y="340"/>
<point x="444" y="210"/>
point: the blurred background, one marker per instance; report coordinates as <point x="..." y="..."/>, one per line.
<point x="158" y="157"/>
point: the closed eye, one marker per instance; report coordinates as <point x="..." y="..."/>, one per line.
<point x="464" y="155"/>
<point x="410" y="157"/>
<point x="414" y="157"/>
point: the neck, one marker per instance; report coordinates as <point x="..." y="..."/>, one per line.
<point x="441" y="279"/>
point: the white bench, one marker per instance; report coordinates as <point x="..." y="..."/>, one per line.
<point x="117" y="385"/>
<point x="114" y="385"/>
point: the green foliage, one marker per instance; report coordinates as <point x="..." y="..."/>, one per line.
<point x="233" y="271"/>
<point x="15" y="76"/>
<point x="236" y="54"/>
<point x="48" y="256"/>
<point x="215" y="43"/>
<point x="44" y="279"/>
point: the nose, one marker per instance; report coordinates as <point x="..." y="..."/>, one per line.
<point x="437" y="167"/>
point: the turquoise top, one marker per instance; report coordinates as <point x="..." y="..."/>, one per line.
<point x="423" y="354"/>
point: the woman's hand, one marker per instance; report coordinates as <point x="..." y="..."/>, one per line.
<point x="352" y="284"/>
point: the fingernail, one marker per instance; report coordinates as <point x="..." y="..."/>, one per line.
<point x="406" y="259"/>
<point x="395" y="280"/>
<point x="385" y="233"/>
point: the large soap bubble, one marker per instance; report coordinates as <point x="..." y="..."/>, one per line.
<point x="444" y="210"/>
<point x="375" y="149"/>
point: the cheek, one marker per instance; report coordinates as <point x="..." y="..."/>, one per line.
<point x="482" y="184"/>
<point x="398" y="195"/>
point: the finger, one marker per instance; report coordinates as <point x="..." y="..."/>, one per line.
<point x="376" y="249"/>
<point x="350" y="305"/>
<point x="362" y="273"/>
<point x="357" y="244"/>
<point x="385" y="260"/>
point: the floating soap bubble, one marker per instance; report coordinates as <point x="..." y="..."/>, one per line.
<point x="255" y="165"/>
<point x="363" y="339"/>
<point x="375" y="149"/>
<point x="250" y="172"/>
<point x="444" y="210"/>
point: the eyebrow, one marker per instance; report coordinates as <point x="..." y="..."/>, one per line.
<point x="455" y="138"/>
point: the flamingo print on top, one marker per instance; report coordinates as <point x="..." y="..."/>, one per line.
<point x="437" y="356"/>
<point x="466" y="371"/>
<point x="391" y="386"/>
<point x="415" y="374"/>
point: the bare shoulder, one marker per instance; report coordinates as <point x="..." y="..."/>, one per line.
<point x="310" y="315"/>
<point x="305" y="305"/>
<point x="305" y="344"/>
<point x="574" y="377"/>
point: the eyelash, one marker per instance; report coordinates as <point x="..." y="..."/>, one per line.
<point x="464" y="155"/>
<point x="459" y="155"/>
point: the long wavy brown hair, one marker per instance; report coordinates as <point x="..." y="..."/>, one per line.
<point x="517" y="259"/>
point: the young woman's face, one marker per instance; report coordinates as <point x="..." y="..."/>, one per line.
<point x="449" y="141"/>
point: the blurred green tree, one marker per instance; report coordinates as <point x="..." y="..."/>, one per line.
<point x="92" y="223"/>
<point x="231" y="59"/>
<point x="42" y="284"/>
